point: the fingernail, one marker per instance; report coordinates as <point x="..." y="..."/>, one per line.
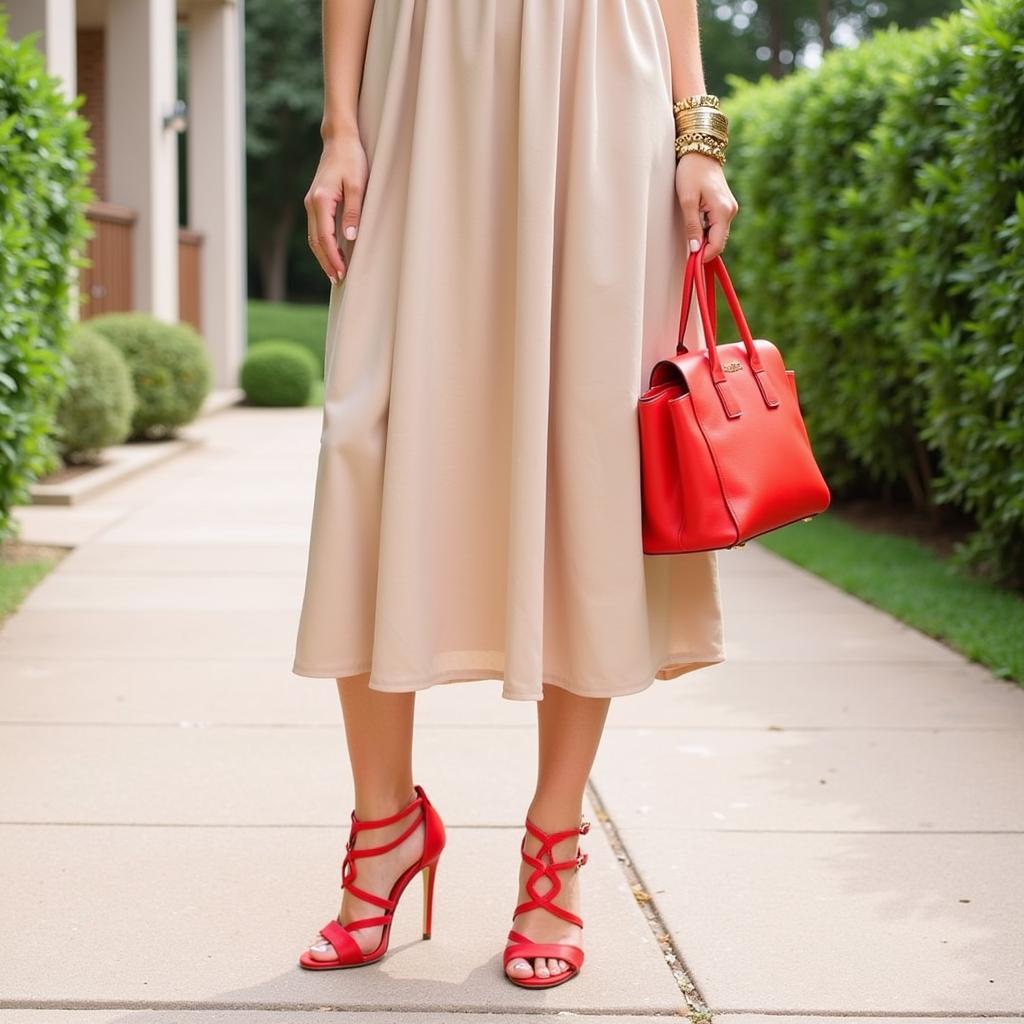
<point x="694" y="245"/>
<point x="351" y="231"/>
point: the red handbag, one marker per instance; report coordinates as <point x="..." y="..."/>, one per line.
<point x="724" y="451"/>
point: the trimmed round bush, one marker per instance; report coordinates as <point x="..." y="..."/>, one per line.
<point x="98" y="402"/>
<point x="278" y="373"/>
<point x="170" y="369"/>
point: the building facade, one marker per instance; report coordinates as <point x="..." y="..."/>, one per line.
<point x="122" y="57"/>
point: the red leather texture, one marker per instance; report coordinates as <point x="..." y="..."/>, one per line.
<point x="724" y="450"/>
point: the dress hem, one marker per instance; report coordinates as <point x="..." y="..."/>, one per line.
<point x="674" y="666"/>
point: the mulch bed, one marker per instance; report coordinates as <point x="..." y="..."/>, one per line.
<point x="939" y="532"/>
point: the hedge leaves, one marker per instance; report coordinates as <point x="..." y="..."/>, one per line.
<point x="44" y="164"/>
<point x="880" y="243"/>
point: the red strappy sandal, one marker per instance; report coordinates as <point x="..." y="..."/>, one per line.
<point x="521" y="945"/>
<point x="338" y="935"/>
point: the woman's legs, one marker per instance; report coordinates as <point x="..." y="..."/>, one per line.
<point x="379" y="731"/>
<point x="569" y="732"/>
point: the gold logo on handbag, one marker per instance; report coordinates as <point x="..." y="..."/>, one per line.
<point x="732" y="366"/>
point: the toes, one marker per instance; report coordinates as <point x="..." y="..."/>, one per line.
<point x="543" y="967"/>
<point x="519" y="967"/>
<point x="322" y="950"/>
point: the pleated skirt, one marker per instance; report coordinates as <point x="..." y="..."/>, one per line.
<point x="517" y="273"/>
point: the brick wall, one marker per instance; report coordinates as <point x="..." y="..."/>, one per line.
<point x="91" y="53"/>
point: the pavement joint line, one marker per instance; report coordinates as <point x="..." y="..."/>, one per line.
<point x="213" y="825"/>
<point x="199" y="723"/>
<point x="696" y="1005"/>
<point x="887" y="1014"/>
<point x="484" y="825"/>
<point x="502" y="1013"/>
<point x="961" y="663"/>
<point x="177" y="575"/>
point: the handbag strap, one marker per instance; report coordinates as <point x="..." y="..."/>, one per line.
<point x="705" y="285"/>
<point x="684" y="314"/>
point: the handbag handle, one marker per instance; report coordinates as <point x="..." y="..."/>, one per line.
<point x="705" y="284"/>
<point x="684" y="313"/>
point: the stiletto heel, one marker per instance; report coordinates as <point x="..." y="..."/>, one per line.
<point x="429" y="874"/>
<point x="527" y="949"/>
<point x="349" y="953"/>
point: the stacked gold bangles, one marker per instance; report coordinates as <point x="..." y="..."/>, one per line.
<point x="701" y="127"/>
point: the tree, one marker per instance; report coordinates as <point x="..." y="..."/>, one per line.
<point x="284" y="105"/>
<point x="750" y="38"/>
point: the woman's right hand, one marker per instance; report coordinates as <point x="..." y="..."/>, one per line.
<point x="340" y="180"/>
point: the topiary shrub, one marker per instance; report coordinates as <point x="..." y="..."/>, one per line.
<point x="278" y="373"/>
<point x="44" y="168"/>
<point x="97" y="405"/>
<point x="170" y="369"/>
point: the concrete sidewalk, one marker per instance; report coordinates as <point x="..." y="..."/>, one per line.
<point x="830" y="823"/>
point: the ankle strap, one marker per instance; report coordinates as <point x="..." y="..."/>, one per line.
<point x="348" y="867"/>
<point x="358" y="823"/>
<point x="545" y="866"/>
<point x="552" y="838"/>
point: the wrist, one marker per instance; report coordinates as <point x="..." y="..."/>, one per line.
<point x="338" y="129"/>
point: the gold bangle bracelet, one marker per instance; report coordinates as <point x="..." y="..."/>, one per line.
<point x="698" y="143"/>
<point x="698" y="119"/>
<point x="695" y="101"/>
<point x="700" y="147"/>
<point x="684" y="137"/>
<point x="702" y="130"/>
<point x="713" y="125"/>
<point x="701" y="127"/>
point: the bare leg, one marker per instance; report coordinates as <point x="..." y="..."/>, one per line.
<point x="379" y="732"/>
<point x="569" y="732"/>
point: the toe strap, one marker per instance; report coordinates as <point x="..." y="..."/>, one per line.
<point x="344" y="944"/>
<point x="523" y="947"/>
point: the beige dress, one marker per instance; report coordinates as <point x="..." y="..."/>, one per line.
<point x="517" y="273"/>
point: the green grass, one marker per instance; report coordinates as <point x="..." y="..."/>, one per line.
<point x="21" y="568"/>
<point x="303" y="323"/>
<point x="910" y="581"/>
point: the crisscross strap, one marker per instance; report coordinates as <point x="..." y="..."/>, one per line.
<point x="522" y="947"/>
<point x="348" y="868"/>
<point x="549" y="869"/>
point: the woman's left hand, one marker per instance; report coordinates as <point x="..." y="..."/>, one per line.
<point x="702" y="189"/>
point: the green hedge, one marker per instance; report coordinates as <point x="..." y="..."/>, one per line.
<point x="880" y="243"/>
<point x="44" y="167"/>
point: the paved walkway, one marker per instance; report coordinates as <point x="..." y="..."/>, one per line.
<point x="831" y="823"/>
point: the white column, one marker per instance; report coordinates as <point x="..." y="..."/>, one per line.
<point x="55" y="21"/>
<point x="142" y="167"/>
<point x="216" y="177"/>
